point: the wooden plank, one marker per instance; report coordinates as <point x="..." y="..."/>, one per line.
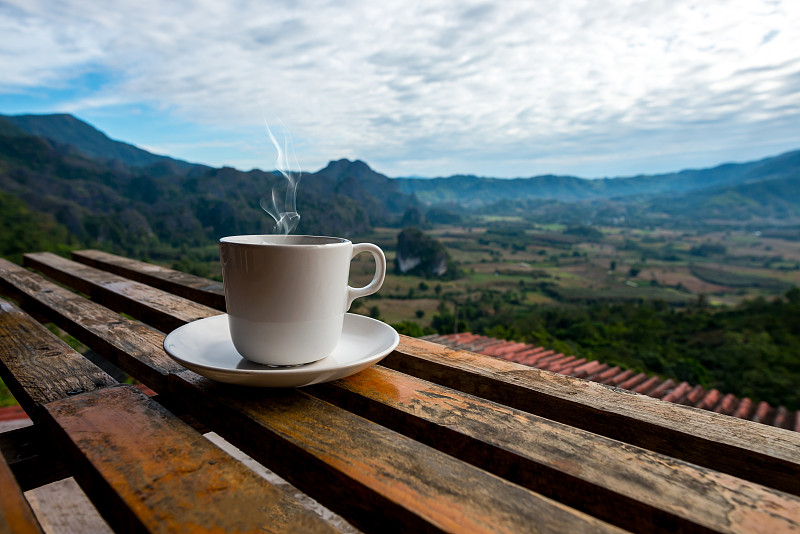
<point x="378" y="479"/>
<point x="125" y="338"/>
<point x="88" y="315"/>
<point x="763" y="454"/>
<point x="334" y="519"/>
<point x="33" y="463"/>
<point x="132" y="346"/>
<point x="62" y="507"/>
<point x="759" y="453"/>
<point x="631" y="487"/>
<point x="202" y="290"/>
<point x="147" y="471"/>
<point x="37" y="366"/>
<point x="158" y="308"/>
<point x="16" y="516"/>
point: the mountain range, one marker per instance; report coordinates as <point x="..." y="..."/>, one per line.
<point x="113" y="194"/>
<point x="478" y="191"/>
<point x="73" y="180"/>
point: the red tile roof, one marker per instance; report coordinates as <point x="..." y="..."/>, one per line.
<point x="12" y="413"/>
<point x="645" y="384"/>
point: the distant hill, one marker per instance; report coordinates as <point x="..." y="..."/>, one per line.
<point x="356" y="180"/>
<point x="67" y="130"/>
<point x="475" y="191"/>
<point x="773" y="199"/>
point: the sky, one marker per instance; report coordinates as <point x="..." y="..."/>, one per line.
<point x="592" y="88"/>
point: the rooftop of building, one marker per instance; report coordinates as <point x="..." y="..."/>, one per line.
<point x="643" y="383"/>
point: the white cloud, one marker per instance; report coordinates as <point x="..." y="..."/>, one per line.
<point x="429" y="87"/>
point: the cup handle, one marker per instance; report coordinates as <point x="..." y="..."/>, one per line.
<point x="380" y="272"/>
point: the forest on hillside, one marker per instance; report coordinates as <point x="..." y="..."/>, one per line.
<point x="751" y="349"/>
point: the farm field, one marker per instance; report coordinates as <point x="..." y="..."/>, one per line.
<point x="545" y="265"/>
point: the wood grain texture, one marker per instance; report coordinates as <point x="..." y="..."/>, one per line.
<point x="146" y="471"/>
<point x="16" y="516"/>
<point x="763" y="454"/>
<point x="37" y="366"/>
<point x="158" y="308"/>
<point x="132" y="346"/>
<point x="596" y="474"/>
<point x="378" y="479"/>
<point x="631" y="487"/>
<point x="759" y="453"/>
<point x="61" y="507"/>
<point x="202" y="290"/>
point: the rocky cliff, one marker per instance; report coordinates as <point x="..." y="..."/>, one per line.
<point x="420" y="254"/>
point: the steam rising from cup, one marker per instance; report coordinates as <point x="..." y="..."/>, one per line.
<point x="282" y="205"/>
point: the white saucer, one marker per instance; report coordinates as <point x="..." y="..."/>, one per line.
<point x="205" y="347"/>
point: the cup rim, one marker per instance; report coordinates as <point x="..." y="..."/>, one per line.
<point x="294" y="241"/>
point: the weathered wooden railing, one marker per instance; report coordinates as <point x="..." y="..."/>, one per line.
<point x="431" y="439"/>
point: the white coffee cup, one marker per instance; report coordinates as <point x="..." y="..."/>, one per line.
<point x="286" y="296"/>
